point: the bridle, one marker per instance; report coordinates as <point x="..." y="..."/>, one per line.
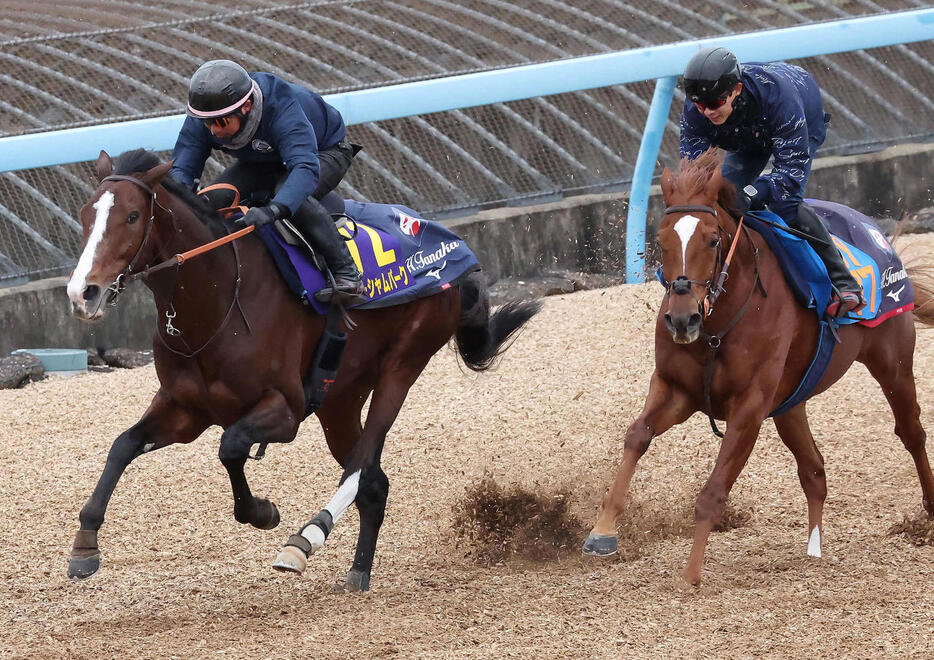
<point x="714" y="287"/>
<point x="127" y="275"/>
<point x="118" y="286"/>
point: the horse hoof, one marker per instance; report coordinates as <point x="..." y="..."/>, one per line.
<point x="290" y="560"/>
<point x="267" y="512"/>
<point x="356" y="582"/>
<point x="80" y="568"/>
<point x="600" y="545"/>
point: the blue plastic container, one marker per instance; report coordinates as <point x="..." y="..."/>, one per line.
<point x="60" y="360"/>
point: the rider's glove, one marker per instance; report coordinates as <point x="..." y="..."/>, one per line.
<point x="263" y="215"/>
<point x="757" y="194"/>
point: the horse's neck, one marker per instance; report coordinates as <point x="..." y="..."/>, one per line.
<point x="180" y="230"/>
<point x="743" y="267"/>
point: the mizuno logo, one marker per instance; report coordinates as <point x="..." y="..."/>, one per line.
<point x="436" y="272"/>
<point x="896" y="295"/>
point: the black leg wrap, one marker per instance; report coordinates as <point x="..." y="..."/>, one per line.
<point x="323" y="521"/>
<point x="300" y="542"/>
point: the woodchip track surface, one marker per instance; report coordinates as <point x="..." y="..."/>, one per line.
<point x="180" y="578"/>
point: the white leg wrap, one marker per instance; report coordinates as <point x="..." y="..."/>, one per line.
<point x="814" y="543"/>
<point x="344" y="496"/>
<point x="315" y="537"/>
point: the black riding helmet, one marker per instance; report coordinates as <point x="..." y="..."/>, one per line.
<point x="711" y="74"/>
<point x="218" y="88"/>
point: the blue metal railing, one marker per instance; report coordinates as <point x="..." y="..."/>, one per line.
<point x="664" y="63"/>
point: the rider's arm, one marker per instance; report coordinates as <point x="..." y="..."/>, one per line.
<point x="791" y="157"/>
<point x="298" y="146"/>
<point x="694" y="138"/>
<point x="191" y="152"/>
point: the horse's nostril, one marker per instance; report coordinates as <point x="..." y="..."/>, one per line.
<point x="694" y="320"/>
<point x="92" y="292"/>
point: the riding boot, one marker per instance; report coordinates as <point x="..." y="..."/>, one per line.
<point x="316" y="225"/>
<point x="848" y="294"/>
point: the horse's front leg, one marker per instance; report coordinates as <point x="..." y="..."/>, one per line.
<point x="271" y="420"/>
<point x="664" y="407"/>
<point x="163" y="424"/>
<point x="742" y="429"/>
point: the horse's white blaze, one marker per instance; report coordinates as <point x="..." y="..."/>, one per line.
<point x="78" y="281"/>
<point x="685" y="229"/>
<point x="814" y="543"/>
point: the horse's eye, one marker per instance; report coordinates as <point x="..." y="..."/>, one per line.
<point x="714" y="242"/>
<point x="133" y="217"/>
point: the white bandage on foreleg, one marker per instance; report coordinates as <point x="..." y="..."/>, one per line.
<point x="814" y="543"/>
<point x="344" y="496"/>
<point x="315" y="536"/>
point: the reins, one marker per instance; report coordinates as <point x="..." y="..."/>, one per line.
<point x="127" y="275"/>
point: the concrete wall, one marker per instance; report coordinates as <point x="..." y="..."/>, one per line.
<point x="37" y="315"/>
<point x="586" y="233"/>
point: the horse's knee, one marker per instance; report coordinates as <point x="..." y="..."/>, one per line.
<point x="235" y="446"/>
<point x="638" y="438"/>
<point x="711" y="502"/>
<point x="124" y="449"/>
<point x="912" y="439"/>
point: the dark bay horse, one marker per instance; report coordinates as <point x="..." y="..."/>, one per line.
<point x="233" y="348"/>
<point x="766" y="343"/>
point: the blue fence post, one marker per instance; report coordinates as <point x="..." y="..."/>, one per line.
<point x="642" y="178"/>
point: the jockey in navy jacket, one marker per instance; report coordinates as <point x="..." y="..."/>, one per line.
<point x="296" y="123"/>
<point x="757" y="111"/>
<point x="779" y="113"/>
<point x="290" y="150"/>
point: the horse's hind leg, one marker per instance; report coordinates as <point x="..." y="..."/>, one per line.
<point x="363" y="481"/>
<point x="271" y="420"/>
<point x="163" y="424"/>
<point x="794" y="431"/>
<point x="890" y="359"/>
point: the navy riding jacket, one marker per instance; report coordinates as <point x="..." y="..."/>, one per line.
<point x="296" y="124"/>
<point x="778" y="113"/>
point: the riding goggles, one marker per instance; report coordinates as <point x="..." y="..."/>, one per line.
<point x="711" y="105"/>
<point x="220" y="122"/>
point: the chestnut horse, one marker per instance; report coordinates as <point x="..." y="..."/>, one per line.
<point x="234" y="348"/>
<point x="766" y="343"/>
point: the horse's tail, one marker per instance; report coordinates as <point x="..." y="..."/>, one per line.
<point x="922" y="278"/>
<point x="480" y="337"/>
<point x="920" y="271"/>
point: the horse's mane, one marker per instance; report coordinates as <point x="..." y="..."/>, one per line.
<point x="143" y="160"/>
<point x="693" y="177"/>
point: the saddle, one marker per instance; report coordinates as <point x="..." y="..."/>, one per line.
<point x="871" y="259"/>
<point x="401" y="255"/>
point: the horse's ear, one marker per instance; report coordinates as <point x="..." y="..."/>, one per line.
<point x="668" y="183"/>
<point x="154" y="176"/>
<point x="105" y="166"/>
